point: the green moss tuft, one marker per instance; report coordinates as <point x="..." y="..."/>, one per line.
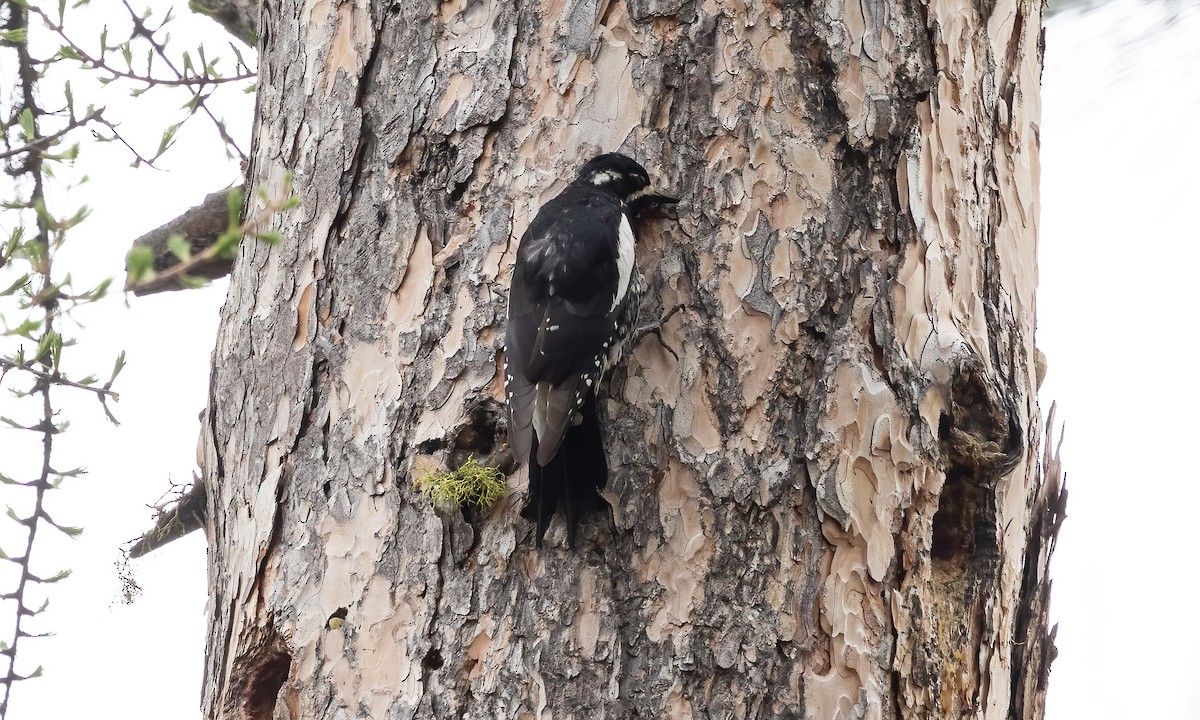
<point x="472" y="485"/>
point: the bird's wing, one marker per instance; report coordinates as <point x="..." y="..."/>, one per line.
<point x="562" y="402"/>
<point x="521" y="396"/>
<point x="560" y="314"/>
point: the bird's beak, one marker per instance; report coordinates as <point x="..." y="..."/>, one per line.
<point x="650" y="196"/>
<point x="659" y="198"/>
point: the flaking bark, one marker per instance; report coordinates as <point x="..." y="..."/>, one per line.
<point x="824" y="494"/>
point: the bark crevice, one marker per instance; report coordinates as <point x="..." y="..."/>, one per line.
<point x="258" y="675"/>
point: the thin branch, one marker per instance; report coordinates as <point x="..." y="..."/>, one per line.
<point x="33" y="166"/>
<point x="56" y="378"/>
<point x="195" y="83"/>
<point x="99" y="63"/>
<point x="149" y="162"/>
<point x="47" y="140"/>
<point x="140" y="28"/>
<point x="188" y="82"/>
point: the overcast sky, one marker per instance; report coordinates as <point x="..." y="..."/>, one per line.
<point x="1119" y="256"/>
<point x="1117" y="319"/>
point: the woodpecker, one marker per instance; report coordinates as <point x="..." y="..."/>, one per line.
<point x="572" y="306"/>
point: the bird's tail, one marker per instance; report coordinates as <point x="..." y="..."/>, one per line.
<point x="573" y="478"/>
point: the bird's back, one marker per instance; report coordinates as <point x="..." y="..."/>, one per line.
<point x="561" y="302"/>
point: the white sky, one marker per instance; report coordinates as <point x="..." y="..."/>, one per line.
<point x="106" y="659"/>
<point x="1119" y="256"/>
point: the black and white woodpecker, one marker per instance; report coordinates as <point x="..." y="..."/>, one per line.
<point x="572" y="307"/>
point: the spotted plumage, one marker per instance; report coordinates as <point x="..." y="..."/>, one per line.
<point x="572" y="305"/>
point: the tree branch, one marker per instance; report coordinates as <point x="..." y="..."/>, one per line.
<point x="186" y="515"/>
<point x="99" y="63"/>
<point x="200" y="227"/>
<point x="141" y="29"/>
<point x="33" y="167"/>
<point x="47" y="140"/>
<point x="239" y="17"/>
<point x="56" y="378"/>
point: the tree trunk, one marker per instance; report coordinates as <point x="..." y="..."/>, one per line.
<point x="827" y="500"/>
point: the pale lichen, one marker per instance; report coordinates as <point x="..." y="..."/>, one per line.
<point x="471" y="485"/>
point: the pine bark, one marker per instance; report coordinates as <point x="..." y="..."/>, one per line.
<point x="826" y="489"/>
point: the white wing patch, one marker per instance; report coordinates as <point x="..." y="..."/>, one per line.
<point x="624" y="260"/>
<point x="540" y="401"/>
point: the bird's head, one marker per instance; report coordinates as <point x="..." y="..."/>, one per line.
<point x="624" y="177"/>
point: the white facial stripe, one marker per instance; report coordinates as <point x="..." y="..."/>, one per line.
<point x="624" y="260"/>
<point x="602" y="178"/>
<point x="648" y="190"/>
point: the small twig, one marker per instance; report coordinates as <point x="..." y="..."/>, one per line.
<point x="140" y="27"/>
<point x="99" y="63"/>
<point x="56" y="378"/>
<point x="225" y="136"/>
<point x="46" y="140"/>
<point x="190" y="81"/>
<point x="117" y="136"/>
<point x="108" y="413"/>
